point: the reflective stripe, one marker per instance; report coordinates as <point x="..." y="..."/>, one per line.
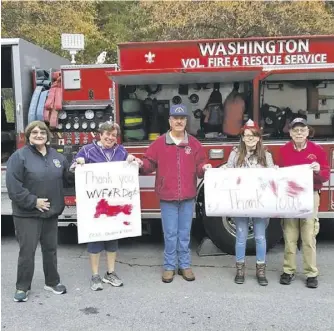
<point x="133" y="120"/>
<point x="153" y="136"/>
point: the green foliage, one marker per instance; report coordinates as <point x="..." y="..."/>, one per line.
<point x="107" y="23"/>
<point x="219" y="19"/>
<point x="42" y="22"/>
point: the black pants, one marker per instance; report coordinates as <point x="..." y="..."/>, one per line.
<point x="29" y="231"/>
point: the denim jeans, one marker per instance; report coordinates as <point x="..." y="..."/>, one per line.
<point x="260" y="238"/>
<point x="176" y="223"/>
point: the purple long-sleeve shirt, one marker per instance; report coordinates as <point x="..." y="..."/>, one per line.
<point x="95" y="153"/>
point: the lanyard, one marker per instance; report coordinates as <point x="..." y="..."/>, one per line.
<point x="107" y="156"/>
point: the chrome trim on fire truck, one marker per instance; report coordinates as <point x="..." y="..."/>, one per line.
<point x="89" y="66"/>
<point x="299" y="67"/>
<point x="228" y="143"/>
<point x="146" y="181"/>
<point x="83" y="105"/>
<point x="326" y="214"/>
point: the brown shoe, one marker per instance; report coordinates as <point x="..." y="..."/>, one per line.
<point x="168" y="276"/>
<point x="261" y="274"/>
<point x="240" y="276"/>
<point x="187" y="274"/>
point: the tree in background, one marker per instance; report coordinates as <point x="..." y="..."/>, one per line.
<point x="43" y="22"/>
<point x="218" y="19"/>
<point x="105" y="24"/>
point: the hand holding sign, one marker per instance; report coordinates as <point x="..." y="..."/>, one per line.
<point x="315" y="166"/>
<point x="207" y="166"/>
<point x="131" y="158"/>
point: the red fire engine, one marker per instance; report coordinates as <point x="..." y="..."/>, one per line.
<point x="278" y="78"/>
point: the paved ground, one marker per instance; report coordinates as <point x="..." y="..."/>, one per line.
<point x="212" y="302"/>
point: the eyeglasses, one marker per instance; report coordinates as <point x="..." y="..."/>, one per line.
<point x="178" y="118"/>
<point x="304" y="130"/>
<point x="35" y="133"/>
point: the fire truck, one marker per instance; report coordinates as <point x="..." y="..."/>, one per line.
<point x="279" y="79"/>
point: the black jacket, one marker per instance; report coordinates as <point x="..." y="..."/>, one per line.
<point x="30" y="175"/>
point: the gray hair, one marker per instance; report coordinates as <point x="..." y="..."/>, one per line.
<point x="109" y="126"/>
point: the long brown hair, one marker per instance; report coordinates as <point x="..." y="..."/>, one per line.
<point x="260" y="151"/>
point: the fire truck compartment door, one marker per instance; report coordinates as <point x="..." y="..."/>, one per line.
<point x="183" y="76"/>
<point x="71" y="79"/>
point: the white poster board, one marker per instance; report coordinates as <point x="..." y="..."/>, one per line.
<point x="259" y="192"/>
<point x="108" y="201"/>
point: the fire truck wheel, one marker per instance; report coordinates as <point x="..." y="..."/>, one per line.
<point x="7" y="226"/>
<point x="67" y="235"/>
<point x="326" y="228"/>
<point x="221" y="230"/>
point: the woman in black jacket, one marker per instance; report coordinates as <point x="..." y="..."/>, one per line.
<point x="35" y="177"/>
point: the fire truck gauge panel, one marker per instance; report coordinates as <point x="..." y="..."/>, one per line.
<point x="81" y="121"/>
<point x="89" y="114"/>
<point x="99" y="114"/>
<point x="62" y="115"/>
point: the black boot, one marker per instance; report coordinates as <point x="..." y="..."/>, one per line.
<point x="261" y="274"/>
<point x="240" y="276"/>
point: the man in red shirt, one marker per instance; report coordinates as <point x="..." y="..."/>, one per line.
<point x="178" y="159"/>
<point x="297" y="152"/>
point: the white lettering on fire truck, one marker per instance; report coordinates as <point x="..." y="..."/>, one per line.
<point x="257" y="60"/>
<point x="255" y="47"/>
<point x="254" y="53"/>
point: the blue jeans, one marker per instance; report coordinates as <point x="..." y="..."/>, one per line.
<point x="260" y="238"/>
<point x="176" y="223"/>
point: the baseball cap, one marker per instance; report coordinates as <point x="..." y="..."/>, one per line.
<point x="298" y="121"/>
<point x="178" y="110"/>
<point x="251" y="125"/>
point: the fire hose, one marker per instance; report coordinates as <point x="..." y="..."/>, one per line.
<point x="53" y="102"/>
<point x="46" y="100"/>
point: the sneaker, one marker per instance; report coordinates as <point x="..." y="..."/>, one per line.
<point x="286" y="279"/>
<point x="21" y="296"/>
<point x="312" y="282"/>
<point x="112" y="279"/>
<point x="96" y="283"/>
<point x="58" y="289"/>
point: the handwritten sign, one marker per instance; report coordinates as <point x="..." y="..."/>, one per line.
<point x="108" y="201"/>
<point x="259" y="192"/>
